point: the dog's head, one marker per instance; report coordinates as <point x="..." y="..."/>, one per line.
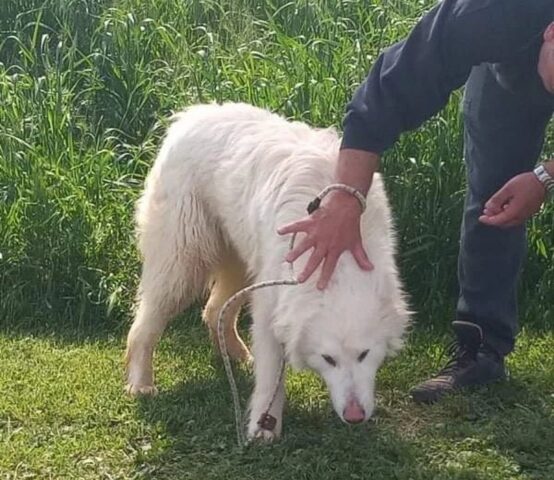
<point x="345" y="332"/>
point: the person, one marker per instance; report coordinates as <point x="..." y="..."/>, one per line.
<point x="503" y="51"/>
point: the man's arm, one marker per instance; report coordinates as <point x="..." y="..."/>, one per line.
<point x="408" y="84"/>
<point x="413" y="79"/>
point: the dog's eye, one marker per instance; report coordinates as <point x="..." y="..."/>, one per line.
<point x="330" y="360"/>
<point x="362" y="355"/>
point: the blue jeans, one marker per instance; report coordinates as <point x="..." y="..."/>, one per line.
<point x="504" y="135"/>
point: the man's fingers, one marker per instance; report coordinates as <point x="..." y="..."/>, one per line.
<point x="505" y="218"/>
<point x="295" y="227"/>
<point x="327" y="270"/>
<point x="313" y="262"/>
<point x="299" y="249"/>
<point x="496" y="211"/>
<point x="361" y="257"/>
<point x="492" y="210"/>
<point x="497" y="202"/>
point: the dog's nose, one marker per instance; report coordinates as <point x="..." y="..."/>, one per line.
<point x="353" y="412"/>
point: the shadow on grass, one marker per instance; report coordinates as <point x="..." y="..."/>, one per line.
<point x="67" y="330"/>
<point x="201" y="443"/>
<point x="509" y="420"/>
<point x="509" y="423"/>
<point x="514" y="418"/>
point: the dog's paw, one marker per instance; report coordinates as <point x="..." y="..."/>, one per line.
<point x="141" y="390"/>
<point x="262" y="436"/>
<point x="270" y="433"/>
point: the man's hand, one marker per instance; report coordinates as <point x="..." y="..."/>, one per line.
<point x="335" y="226"/>
<point x="519" y="199"/>
<point x="332" y="229"/>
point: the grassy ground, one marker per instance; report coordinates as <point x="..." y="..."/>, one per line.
<point x="65" y="416"/>
<point x="86" y="87"/>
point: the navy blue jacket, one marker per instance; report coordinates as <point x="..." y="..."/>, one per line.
<point x="413" y="79"/>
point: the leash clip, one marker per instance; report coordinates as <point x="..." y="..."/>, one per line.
<point x="314" y="205"/>
<point x="267" y="422"/>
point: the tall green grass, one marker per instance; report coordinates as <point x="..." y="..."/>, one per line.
<point x="86" y="87"/>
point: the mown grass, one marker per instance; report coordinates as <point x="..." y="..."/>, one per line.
<point x="86" y="88"/>
<point x="66" y="417"/>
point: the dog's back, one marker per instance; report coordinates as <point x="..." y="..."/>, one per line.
<point x="236" y="158"/>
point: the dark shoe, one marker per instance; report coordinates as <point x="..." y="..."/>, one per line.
<point x="472" y="363"/>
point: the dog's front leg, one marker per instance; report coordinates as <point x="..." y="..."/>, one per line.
<point x="267" y="367"/>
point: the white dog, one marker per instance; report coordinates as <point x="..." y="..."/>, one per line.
<point x="226" y="177"/>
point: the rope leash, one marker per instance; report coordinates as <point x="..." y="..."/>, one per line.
<point x="266" y="420"/>
<point x="316" y="202"/>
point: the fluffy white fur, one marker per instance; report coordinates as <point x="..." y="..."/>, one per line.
<point x="226" y="177"/>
